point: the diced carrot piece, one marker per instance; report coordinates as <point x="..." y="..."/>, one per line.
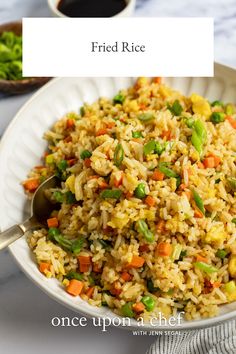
<point x="96" y="268"/>
<point x="200" y="258"/>
<point x="70" y="123"/>
<point x="128" y="195"/>
<point x="126" y="276"/>
<point x="52" y="222"/>
<point x="136" y="262"/>
<point x="110" y="125"/>
<point x="118" y="180"/>
<point x="216" y="284"/>
<point x="182" y="186"/>
<point x="209" y="162"/>
<point x="188" y="193"/>
<point x="150" y="201"/>
<point x="144" y="248"/>
<point x="44" y="266"/>
<point x="138" y="307"/>
<point x="200" y="165"/>
<point x="93" y="177"/>
<point x="89" y="292"/>
<point x="163" y="249"/>
<point x="103" y="184"/>
<point x="101" y="131"/>
<point x="161" y="226"/>
<point x="87" y="162"/>
<point x="143" y="106"/>
<point x="115" y="289"/>
<point x="75" y="287"/>
<point x="157" y="80"/>
<point x="71" y="162"/>
<point x="157" y="176"/>
<point x="31" y="184"/>
<point x="166" y="134"/>
<point x="84" y="263"/>
<point x="217" y="159"/>
<point x="68" y="139"/>
<point x="232" y="121"/>
<point x="198" y="213"/>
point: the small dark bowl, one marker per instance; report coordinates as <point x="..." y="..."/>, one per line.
<point x="16" y="87"/>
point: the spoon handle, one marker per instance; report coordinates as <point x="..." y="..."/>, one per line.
<point x="10" y="235"/>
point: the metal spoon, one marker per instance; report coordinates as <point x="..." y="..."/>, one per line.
<point x="40" y="211"/>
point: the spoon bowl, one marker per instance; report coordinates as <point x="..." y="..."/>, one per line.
<point x="41" y="208"/>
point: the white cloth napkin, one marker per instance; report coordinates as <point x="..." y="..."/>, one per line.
<point x="216" y="340"/>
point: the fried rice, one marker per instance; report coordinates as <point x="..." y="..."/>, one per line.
<point x="144" y="220"/>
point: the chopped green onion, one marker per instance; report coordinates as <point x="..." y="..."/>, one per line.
<point x="111" y="193"/>
<point x="233" y="220"/>
<point x="82" y="111"/>
<point x="200" y="129"/>
<point x="209" y="269"/>
<point x="119" y="98"/>
<point x="63" y="242"/>
<point x="198" y="201"/>
<point x="217" y="181"/>
<point x="91" y="280"/>
<point x="137" y="135"/>
<point x="182" y="255"/>
<point x="150" y="286"/>
<point x="149" y="147"/>
<point x="167" y="171"/>
<point x="221" y="254"/>
<point x="62" y="165"/>
<point x="232" y="183"/>
<point x="217" y="117"/>
<point x="139" y="191"/>
<point x="85" y="154"/>
<point x="149" y="302"/>
<point x="160" y="148"/>
<point x="52" y="232"/>
<point x="77" y="245"/>
<point x="146" y="117"/>
<point x="74" y="275"/>
<point x="143" y="229"/>
<point x="176" y="252"/>
<point x="217" y="103"/>
<point x="58" y="196"/>
<point x="190" y="122"/>
<point x="118" y="155"/>
<point x="176" y="109"/>
<point x="70" y="198"/>
<point x="230" y="287"/>
<point x="127" y="310"/>
<point x="197" y="142"/>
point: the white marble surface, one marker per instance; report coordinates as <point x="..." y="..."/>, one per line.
<point x="25" y="312"/>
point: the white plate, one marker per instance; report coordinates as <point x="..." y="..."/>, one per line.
<point x="22" y="147"/>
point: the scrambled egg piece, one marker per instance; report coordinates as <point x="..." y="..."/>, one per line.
<point x="70" y="183"/>
<point x="216" y="235"/>
<point x="200" y="105"/>
<point x="232" y="266"/>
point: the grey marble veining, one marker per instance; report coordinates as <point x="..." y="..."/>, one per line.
<point x="25" y="312"/>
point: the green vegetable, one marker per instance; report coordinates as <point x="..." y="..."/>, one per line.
<point x="209" y="269"/>
<point x="217" y="117"/>
<point x="52" y="232"/>
<point x="217" y="103"/>
<point x="82" y="111"/>
<point x="230" y="287"/>
<point x="232" y="183"/>
<point x="149" y="147"/>
<point x="197" y="142"/>
<point x="77" y="245"/>
<point x="126" y="310"/>
<point x="143" y="229"/>
<point x="49" y="159"/>
<point x="146" y="117"/>
<point x="85" y="154"/>
<point x="118" y="155"/>
<point x="182" y="255"/>
<point x="160" y="148"/>
<point x="229" y="109"/>
<point x="190" y="122"/>
<point x="74" y="275"/>
<point x="217" y="181"/>
<point x="176" y="252"/>
<point x="149" y="302"/>
<point x="199" y="135"/>
<point x="63" y="242"/>
<point x="198" y="201"/>
<point x="104" y="244"/>
<point x="70" y="198"/>
<point x="167" y="171"/>
<point x="176" y="109"/>
<point x="58" y="196"/>
<point x="119" y="98"/>
<point x="62" y="165"/>
<point x="10" y="56"/>
<point x="139" y="191"/>
<point x="221" y="254"/>
<point x="137" y="135"/>
<point x="91" y="280"/>
<point x="150" y="286"/>
<point x="111" y="193"/>
<point x="233" y="220"/>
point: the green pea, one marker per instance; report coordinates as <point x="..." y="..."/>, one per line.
<point x="85" y="154"/>
<point x="70" y="198"/>
<point x="221" y="254"/>
<point x="150" y="286"/>
<point x="217" y="103"/>
<point x="127" y="310"/>
<point x="149" y="302"/>
<point x="139" y="191"/>
<point x="137" y="135"/>
<point x="62" y="165"/>
<point x="58" y="196"/>
<point x="119" y="98"/>
<point x="176" y="108"/>
<point x="217" y="117"/>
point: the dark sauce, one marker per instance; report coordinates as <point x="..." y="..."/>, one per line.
<point x="91" y="8"/>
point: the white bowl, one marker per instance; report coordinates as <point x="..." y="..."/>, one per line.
<point x="22" y="147"/>
<point x="128" y="10"/>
